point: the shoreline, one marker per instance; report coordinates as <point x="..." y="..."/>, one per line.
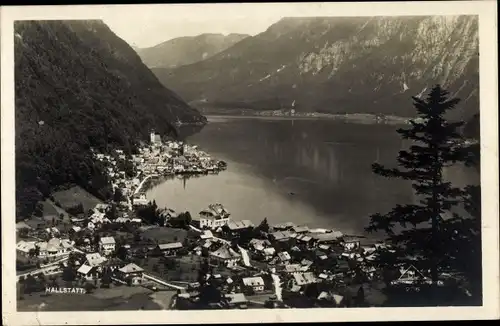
<point x="360" y="118"/>
<point x="157" y="180"/>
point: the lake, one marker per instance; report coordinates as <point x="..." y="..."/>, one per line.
<point x="306" y="171"/>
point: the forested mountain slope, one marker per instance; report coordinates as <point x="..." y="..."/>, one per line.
<point x="77" y="86"/>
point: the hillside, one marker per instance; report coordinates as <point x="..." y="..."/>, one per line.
<point x="339" y="65"/>
<point x="187" y="50"/>
<point x="80" y="86"/>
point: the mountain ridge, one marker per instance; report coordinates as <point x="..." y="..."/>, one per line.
<point x="187" y="49"/>
<point x="328" y="64"/>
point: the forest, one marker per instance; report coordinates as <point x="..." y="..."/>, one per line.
<point x="78" y="86"/>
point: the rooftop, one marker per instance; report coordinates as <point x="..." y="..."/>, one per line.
<point x="281" y="235"/>
<point x="84" y="269"/>
<point x="238" y="225"/>
<point x="25" y="246"/>
<point x="225" y="252"/>
<point x="283" y="226"/>
<point x="299" y="229"/>
<point x="166" y="246"/>
<point x="292" y="268"/>
<point x="304" y="278"/>
<point x="207" y="234"/>
<point x="325" y="237"/>
<point x="284" y="255"/>
<point x="131" y="268"/>
<point x="236" y="298"/>
<point x="107" y="240"/>
<point x="253" y="281"/>
<point x="95" y="259"/>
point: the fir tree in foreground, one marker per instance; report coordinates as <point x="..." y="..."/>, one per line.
<point x="430" y="232"/>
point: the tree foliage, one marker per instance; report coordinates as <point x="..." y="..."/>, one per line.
<point x="182" y="221"/>
<point x="263" y="226"/>
<point x="429" y="229"/>
<point x="150" y="214"/>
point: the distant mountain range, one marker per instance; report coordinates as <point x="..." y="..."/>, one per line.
<point x="338" y="65"/>
<point x="187" y="50"/>
<point x="78" y="86"/>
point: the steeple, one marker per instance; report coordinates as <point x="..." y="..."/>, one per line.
<point x="152" y="136"/>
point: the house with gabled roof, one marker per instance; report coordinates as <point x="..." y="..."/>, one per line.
<point x="411" y="275"/>
<point x="255" y="283"/>
<point x="300" y="229"/>
<point x="24" y="247"/>
<point x="280" y="236"/>
<point x="94" y="259"/>
<point x="284" y="256"/>
<point x="130" y="272"/>
<point x="113" y="264"/>
<point x="88" y="272"/>
<point x="225" y="255"/>
<point x="284" y="226"/>
<point x="292" y="268"/>
<point x="236" y="226"/>
<point x="214" y="216"/>
<point x="301" y="279"/>
<point x="259" y="245"/>
<point x="55" y="247"/>
<point x="107" y="245"/>
<point x="206" y="234"/>
<point x="351" y="243"/>
<point x="169" y="249"/>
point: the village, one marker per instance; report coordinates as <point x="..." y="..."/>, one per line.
<point x="210" y="261"/>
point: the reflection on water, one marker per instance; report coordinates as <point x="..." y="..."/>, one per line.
<point x="311" y="172"/>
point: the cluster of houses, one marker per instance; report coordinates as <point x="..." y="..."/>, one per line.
<point x="296" y="255"/>
<point x="128" y="174"/>
<point x="94" y="266"/>
<point x="91" y="260"/>
<point x="159" y="158"/>
<point x="51" y="249"/>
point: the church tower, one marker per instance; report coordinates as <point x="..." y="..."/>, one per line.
<point x="152" y="136"/>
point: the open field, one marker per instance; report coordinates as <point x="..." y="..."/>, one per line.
<point x="75" y="195"/>
<point x="118" y="298"/>
<point x="120" y="291"/>
<point x="52" y="215"/>
<point x="49" y="210"/>
<point x="164" y="234"/>
<point x="185" y="270"/>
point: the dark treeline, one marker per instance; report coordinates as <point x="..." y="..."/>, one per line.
<point x="433" y="235"/>
<point x="79" y="86"/>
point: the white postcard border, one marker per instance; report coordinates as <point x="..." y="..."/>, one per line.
<point x="489" y="168"/>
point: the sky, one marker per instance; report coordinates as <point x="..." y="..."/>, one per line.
<point x="149" y="25"/>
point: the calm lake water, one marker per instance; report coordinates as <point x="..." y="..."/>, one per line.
<point x="310" y="172"/>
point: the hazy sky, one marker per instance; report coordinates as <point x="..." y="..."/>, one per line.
<point x="148" y="25"/>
